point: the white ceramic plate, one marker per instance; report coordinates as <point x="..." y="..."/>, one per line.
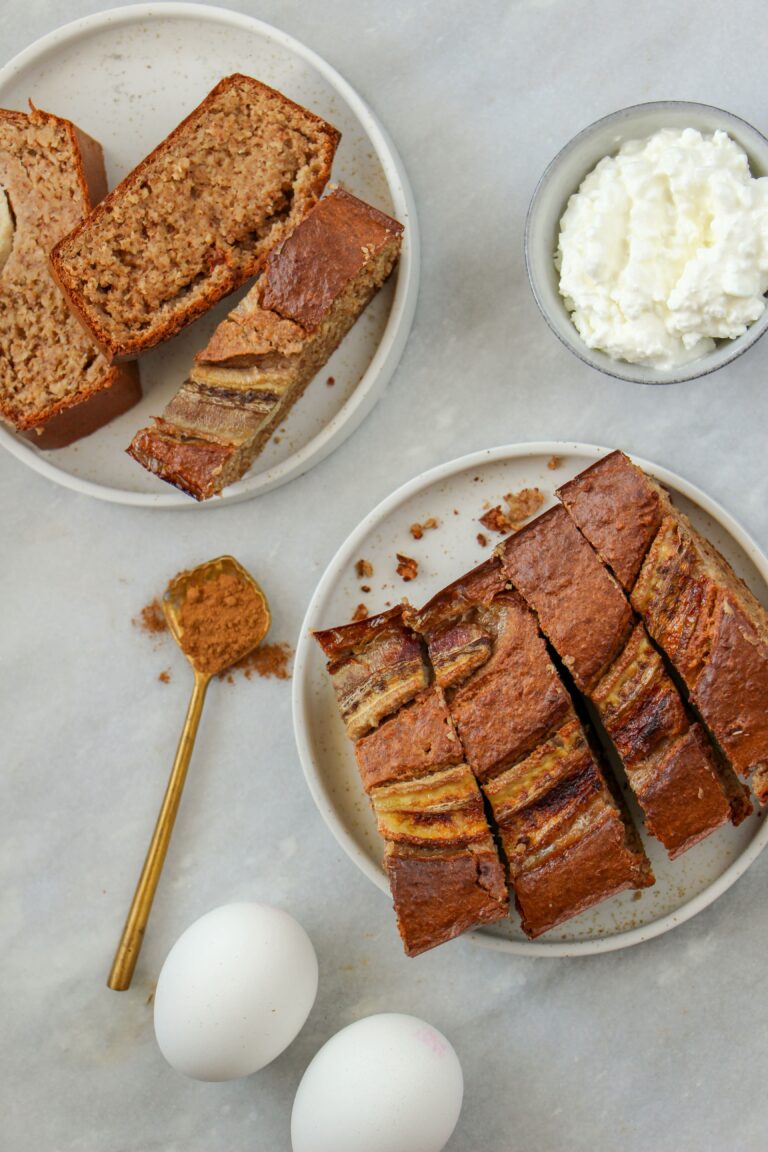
<point x="127" y="77"/>
<point x="455" y="494"/>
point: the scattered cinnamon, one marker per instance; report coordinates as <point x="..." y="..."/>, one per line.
<point x="267" y="660"/>
<point x="365" y="588"/>
<point x="165" y="677"/>
<point x="331" y="381"/>
<point x="151" y="619"/>
<point x="482" y="540"/>
<point x="360" y="613"/>
<point x="407" y="567"/>
<point x="221" y="619"/>
<point x="363" y="568"/>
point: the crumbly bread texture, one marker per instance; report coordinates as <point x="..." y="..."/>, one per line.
<point x="262" y="357"/>
<point x="196" y="218"/>
<point x="443" y="866"/>
<point x="708" y="623"/>
<point x="681" y="784"/>
<point x="568" y="844"/>
<point x="55" y="386"/>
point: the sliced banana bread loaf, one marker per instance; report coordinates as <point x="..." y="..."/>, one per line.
<point x="54" y="385"/>
<point x="703" y="617"/>
<point x="196" y="218"/>
<point x="680" y="782"/>
<point x="262" y="357"/>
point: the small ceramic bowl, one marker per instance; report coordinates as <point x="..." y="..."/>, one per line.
<point x="563" y="177"/>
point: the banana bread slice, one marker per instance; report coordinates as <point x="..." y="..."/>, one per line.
<point x="443" y="867"/>
<point x="262" y="357"/>
<point x="713" y="630"/>
<point x="568" y="843"/>
<point x="683" y="787"/>
<point x="54" y="385"/>
<point x="196" y="218"/>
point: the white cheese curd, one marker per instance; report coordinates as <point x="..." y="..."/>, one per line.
<point x="664" y="248"/>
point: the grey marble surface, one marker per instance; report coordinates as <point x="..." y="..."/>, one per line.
<point x="660" y="1047"/>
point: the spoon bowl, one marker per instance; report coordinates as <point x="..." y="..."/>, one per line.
<point x="177" y="592"/>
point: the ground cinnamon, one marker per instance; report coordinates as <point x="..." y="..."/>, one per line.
<point x="151" y="619"/>
<point x="266" y="660"/>
<point x="221" y="620"/>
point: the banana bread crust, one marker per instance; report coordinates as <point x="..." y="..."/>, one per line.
<point x="617" y="511"/>
<point x="580" y="607"/>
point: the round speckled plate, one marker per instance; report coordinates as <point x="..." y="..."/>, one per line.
<point x="127" y="77"/>
<point x="455" y="494"/>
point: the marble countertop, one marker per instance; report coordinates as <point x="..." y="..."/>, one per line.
<point x="660" y="1047"/>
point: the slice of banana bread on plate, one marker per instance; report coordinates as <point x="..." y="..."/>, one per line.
<point x="271" y="346"/>
<point x="443" y="866"/>
<point x="55" y="386"/>
<point x="196" y="218"/>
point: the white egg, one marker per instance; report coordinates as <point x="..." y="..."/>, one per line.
<point x="388" y="1083"/>
<point x="234" y="991"/>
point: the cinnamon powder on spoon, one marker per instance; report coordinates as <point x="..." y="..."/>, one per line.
<point x="268" y="660"/>
<point x="221" y="619"/>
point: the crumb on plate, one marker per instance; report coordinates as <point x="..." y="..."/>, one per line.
<point x="407" y="567"/>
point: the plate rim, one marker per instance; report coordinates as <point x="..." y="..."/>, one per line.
<point x="393" y="340"/>
<point x="349" y="547"/>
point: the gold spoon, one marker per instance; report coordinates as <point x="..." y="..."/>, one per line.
<point x="128" y="949"/>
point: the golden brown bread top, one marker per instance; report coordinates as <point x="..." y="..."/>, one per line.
<point x="618" y="510"/>
<point x="713" y="632"/>
<point x="513" y="700"/>
<point x="190" y="464"/>
<point x="456" y="600"/>
<point x="438" y="894"/>
<point x="316" y="262"/>
<point x="485" y="649"/>
<point x="638" y="703"/>
<point x="593" y="868"/>
<point x="644" y="716"/>
<point x="377" y="665"/>
<point x="415" y="741"/>
<point x="348" y="639"/>
<point x="683" y="799"/>
<point x="304" y="277"/>
<point x="731" y="694"/>
<point x="563" y="754"/>
<point x="580" y="607"/>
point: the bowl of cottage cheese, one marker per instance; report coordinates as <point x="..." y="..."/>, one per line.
<point x="646" y="242"/>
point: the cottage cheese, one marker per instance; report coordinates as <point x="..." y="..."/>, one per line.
<point x="664" y="248"/>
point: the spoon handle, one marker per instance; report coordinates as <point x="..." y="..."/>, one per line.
<point x="128" y="949"/>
